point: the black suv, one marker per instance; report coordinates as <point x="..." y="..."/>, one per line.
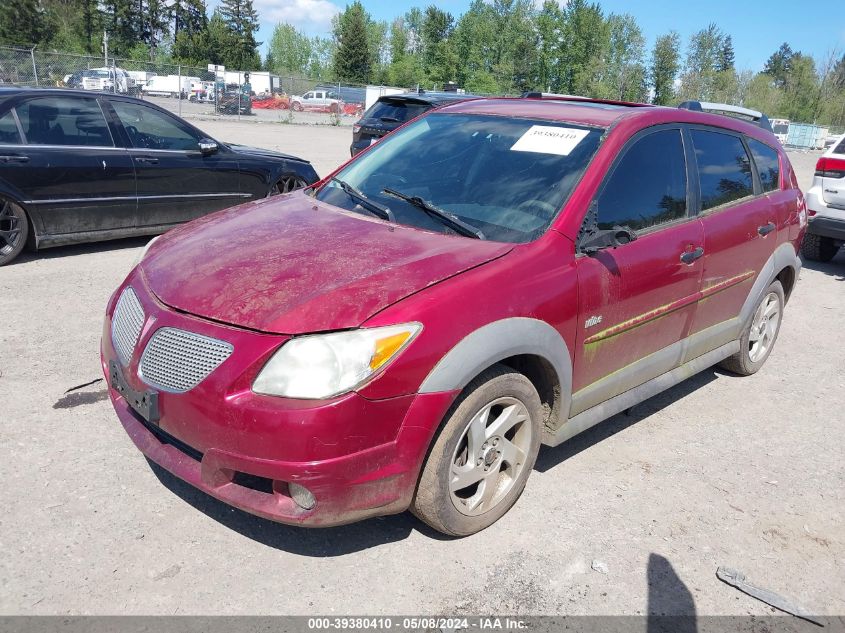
<point x="391" y="111"/>
<point x="89" y="166"/>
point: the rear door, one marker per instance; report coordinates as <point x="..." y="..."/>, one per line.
<point x="72" y="174"/>
<point x="176" y="183"/>
<point x="637" y="301"/>
<point x="741" y="207"/>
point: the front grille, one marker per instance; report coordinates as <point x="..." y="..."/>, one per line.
<point x="126" y="324"/>
<point x="176" y="361"/>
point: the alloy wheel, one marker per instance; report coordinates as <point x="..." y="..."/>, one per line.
<point x="764" y="327"/>
<point x="10" y="228"/>
<point x="490" y="456"/>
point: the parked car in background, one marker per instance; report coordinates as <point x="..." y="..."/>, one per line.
<point x="497" y="274"/>
<point x="233" y="101"/>
<point x="108" y="80"/>
<point x="826" y="205"/>
<point x="391" y="111"/>
<point x="780" y="128"/>
<point x="319" y="99"/>
<point x="171" y="86"/>
<point x="83" y="167"/>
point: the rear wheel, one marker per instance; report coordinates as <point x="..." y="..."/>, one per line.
<point x="818" y="248"/>
<point x="760" y="334"/>
<point x="483" y="456"/>
<point x="297" y="107"/>
<point x="287" y="184"/>
<point x="14" y="230"/>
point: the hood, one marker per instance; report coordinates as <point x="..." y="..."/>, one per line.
<point x="262" y="153"/>
<point x="291" y="265"/>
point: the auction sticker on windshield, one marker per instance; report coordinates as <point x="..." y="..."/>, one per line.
<point x="546" y="139"/>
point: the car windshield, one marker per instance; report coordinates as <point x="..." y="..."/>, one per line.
<point x="507" y="177"/>
<point x="395" y="110"/>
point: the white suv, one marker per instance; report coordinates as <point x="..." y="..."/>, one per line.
<point x="826" y="205"/>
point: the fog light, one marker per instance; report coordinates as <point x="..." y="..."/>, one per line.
<point x="302" y="496"/>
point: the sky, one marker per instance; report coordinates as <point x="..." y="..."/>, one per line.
<point x="757" y="28"/>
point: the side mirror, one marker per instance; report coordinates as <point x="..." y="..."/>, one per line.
<point x="600" y="239"/>
<point x="208" y="146"/>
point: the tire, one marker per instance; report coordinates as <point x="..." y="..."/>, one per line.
<point x="296" y="107"/>
<point x="503" y="460"/>
<point x="818" y="248"/>
<point x="14" y="230"/>
<point x="286" y="184"/>
<point x="753" y="352"/>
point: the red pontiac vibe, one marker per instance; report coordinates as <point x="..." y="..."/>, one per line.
<point x="495" y="275"/>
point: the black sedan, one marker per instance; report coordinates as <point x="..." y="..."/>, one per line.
<point x="391" y="111"/>
<point x="84" y="167"/>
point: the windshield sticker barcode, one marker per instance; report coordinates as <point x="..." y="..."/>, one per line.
<point x="545" y="139"/>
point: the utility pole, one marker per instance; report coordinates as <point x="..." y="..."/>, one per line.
<point x="105" y="48"/>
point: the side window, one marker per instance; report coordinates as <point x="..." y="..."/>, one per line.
<point x="64" y="121"/>
<point x="150" y="129"/>
<point x="768" y="164"/>
<point x="724" y="170"/>
<point x="308" y="95"/>
<point x="9" y="130"/>
<point x="648" y="186"/>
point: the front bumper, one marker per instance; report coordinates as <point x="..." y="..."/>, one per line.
<point x="358" y="457"/>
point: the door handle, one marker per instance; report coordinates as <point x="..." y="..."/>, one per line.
<point x="146" y="159"/>
<point x="688" y="257"/>
<point x="14" y="159"/>
<point x="766" y="228"/>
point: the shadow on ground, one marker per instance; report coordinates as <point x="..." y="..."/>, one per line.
<point x="317" y="542"/>
<point x="73" y="250"/>
<point x="671" y="608"/>
<point x="551" y="457"/>
<point x="835" y="267"/>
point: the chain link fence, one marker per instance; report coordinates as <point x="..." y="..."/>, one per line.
<point x="191" y="92"/>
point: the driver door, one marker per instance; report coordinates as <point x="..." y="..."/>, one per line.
<point x="637" y="301"/>
<point x="175" y="182"/>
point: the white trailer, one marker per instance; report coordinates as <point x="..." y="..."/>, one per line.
<point x="259" y="80"/>
<point x="169" y="86"/>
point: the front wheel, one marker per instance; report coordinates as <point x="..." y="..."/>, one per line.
<point x="14" y="230"/>
<point x="483" y="456"/>
<point x="287" y="184"/>
<point x="759" y="336"/>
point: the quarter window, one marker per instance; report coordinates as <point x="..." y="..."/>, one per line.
<point x="150" y="129"/>
<point x="9" y="130"/>
<point x="724" y="170"/>
<point x="768" y="164"/>
<point x="64" y="121"/>
<point x="648" y="186"/>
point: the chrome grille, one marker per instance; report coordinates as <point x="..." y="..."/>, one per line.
<point x="176" y="361"/>
<point x="126" y="324"/>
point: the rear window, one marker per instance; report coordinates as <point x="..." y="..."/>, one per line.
<point x="724" y="170"/>
<point x="840" y="148"/>
<point x="768" y="164"/>
<point x="9" y="130"/>
<point x="781" y="128"/>
<point x="395" y="111"/>
<point x="64" y="121"/>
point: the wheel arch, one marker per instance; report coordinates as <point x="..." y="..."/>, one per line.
<point x="783" y="265"/>
<point x="530" y="346"/>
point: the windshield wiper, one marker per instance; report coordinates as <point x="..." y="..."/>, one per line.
<point x="388" y="119"/>
<point x="375" y="208"/>
<point x="450" y="220"/>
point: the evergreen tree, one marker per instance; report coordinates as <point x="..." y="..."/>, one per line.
<point x="241" y="21"/>
<point x="779" y="64"/>
<point x="22" y="22"/>
<point x="726" y="56"/>
<point x="352" y="61"/>
<point x="665" y="64"/>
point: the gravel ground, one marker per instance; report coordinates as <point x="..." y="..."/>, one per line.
<point x="631" y="517"/>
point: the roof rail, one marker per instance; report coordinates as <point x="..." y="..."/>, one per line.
<point x="738" y="112"/>
<point x="553" y="96"/>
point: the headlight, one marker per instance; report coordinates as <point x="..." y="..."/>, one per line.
<point x="325" y="365"/>
<point x="143" y="254"/>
